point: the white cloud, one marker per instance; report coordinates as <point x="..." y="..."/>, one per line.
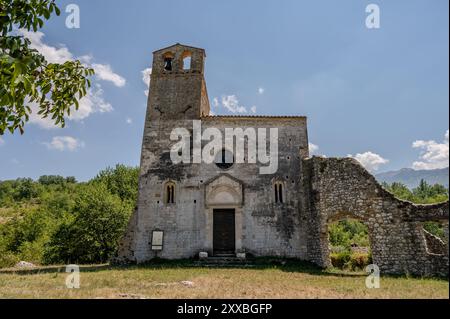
<point x="231" y="103"/>
<point x="369" y="160"/>
<point x="94" y="101"/>
<point x="87" y="59"/>
<point x="51" y="54"/>
<point x="146" y="78"/>
<point x="1" y="141"/>
<point x="313" y="148"/>
<point x="62" y="54"/>
<point x="261" y="90"/>
<point x="129" y="120"/>
<point x="64" y="143"/>
<point x="215" y="102"/>
<point x="104" y="72"/>
<point x="146" y="75"/>
<point x="433" y="155"/>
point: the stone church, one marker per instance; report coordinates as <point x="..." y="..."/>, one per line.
<point x="226" y="207"/>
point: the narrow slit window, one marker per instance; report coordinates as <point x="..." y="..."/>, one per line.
<point x="170" y="194"/>
<point x="280" y="193"/>
<point x="278" y="187"/>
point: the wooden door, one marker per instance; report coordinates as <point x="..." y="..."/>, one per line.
<point x="224" y="231"/>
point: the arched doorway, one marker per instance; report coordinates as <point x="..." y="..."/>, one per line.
<point x="349" y="244"/>
<point x="224" y="201"/>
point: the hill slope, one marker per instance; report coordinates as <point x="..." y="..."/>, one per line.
<point x="411" y="178"/>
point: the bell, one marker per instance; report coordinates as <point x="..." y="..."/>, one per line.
<point x="168" y="64"/>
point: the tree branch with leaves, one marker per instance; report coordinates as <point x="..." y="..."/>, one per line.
<point x="26" y="77"/>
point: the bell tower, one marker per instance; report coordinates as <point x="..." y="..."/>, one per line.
<point x="177" y="86"/>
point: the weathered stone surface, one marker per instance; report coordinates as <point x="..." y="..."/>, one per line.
<point x="241" y="255"/>
<point x="24" y="264"/>
<point x="337" y="188"/>
<point x="316" y="191"/>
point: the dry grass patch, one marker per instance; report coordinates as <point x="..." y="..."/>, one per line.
<point x="293" y="280"/>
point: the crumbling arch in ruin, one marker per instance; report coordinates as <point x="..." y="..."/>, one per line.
<point x="339" y="216"/>
<point x="336" y="185"/>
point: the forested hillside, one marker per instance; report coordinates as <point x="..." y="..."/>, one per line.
<point x="57" y="220"/>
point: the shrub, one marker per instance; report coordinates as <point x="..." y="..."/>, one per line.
<point x="350" y="261"/>
<point x="339" y="260"/>
<point x="32" y="251"/>
<point x="8" y="259"/>
<point x="98" y="221"/>
<point x="359" y="261"/>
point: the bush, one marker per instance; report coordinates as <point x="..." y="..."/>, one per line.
<point x="32" y="251"/>
<point x="91" y="235"/>
<point x="359" y="261"/>
<point x="340" y="260"/>
<point x="8" y="259"/>
<point x="350" y="261"/>
<point x="121" y="181"/>
<point x="347" y="232"/>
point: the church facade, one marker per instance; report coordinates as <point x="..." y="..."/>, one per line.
<point x="230" y="205"/>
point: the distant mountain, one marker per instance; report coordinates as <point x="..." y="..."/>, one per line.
<point x="411" y="177"/>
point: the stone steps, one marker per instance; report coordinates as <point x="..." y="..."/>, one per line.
<point x="224" y="261"/>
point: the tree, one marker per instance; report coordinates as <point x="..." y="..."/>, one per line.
<point x="400" y="190"/>
<point x="121" y="180"/>
<point x="26" y="78"/>
<point x="51" y="180"/>
<point x="92" y="233"/>
<point x="25" y="189"/>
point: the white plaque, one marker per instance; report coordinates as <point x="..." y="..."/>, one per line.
<point x="157" y="240"/>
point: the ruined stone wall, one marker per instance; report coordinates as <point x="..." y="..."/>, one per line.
<point x="342" y="188"/>
<point x="434" y="244"/>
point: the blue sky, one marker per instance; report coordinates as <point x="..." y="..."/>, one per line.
<point x="380" y="93"/>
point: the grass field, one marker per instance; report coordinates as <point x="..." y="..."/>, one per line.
<point x="292" y="280"/>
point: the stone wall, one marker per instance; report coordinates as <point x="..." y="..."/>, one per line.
<point x="263" y="227"/>
<point x="342" y="188"/>
<point x="435" y="245"/>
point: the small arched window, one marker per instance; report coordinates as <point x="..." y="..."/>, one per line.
<point x="187" y="59"/>
<point x="170" y="193"/>
<point x="278" y="188"/>
<point x="168" y="61"/>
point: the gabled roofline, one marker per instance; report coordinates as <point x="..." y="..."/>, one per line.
<point x="179" y="44"/>
<point x="209" y="181"/>
<point x="253" y="116"/>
